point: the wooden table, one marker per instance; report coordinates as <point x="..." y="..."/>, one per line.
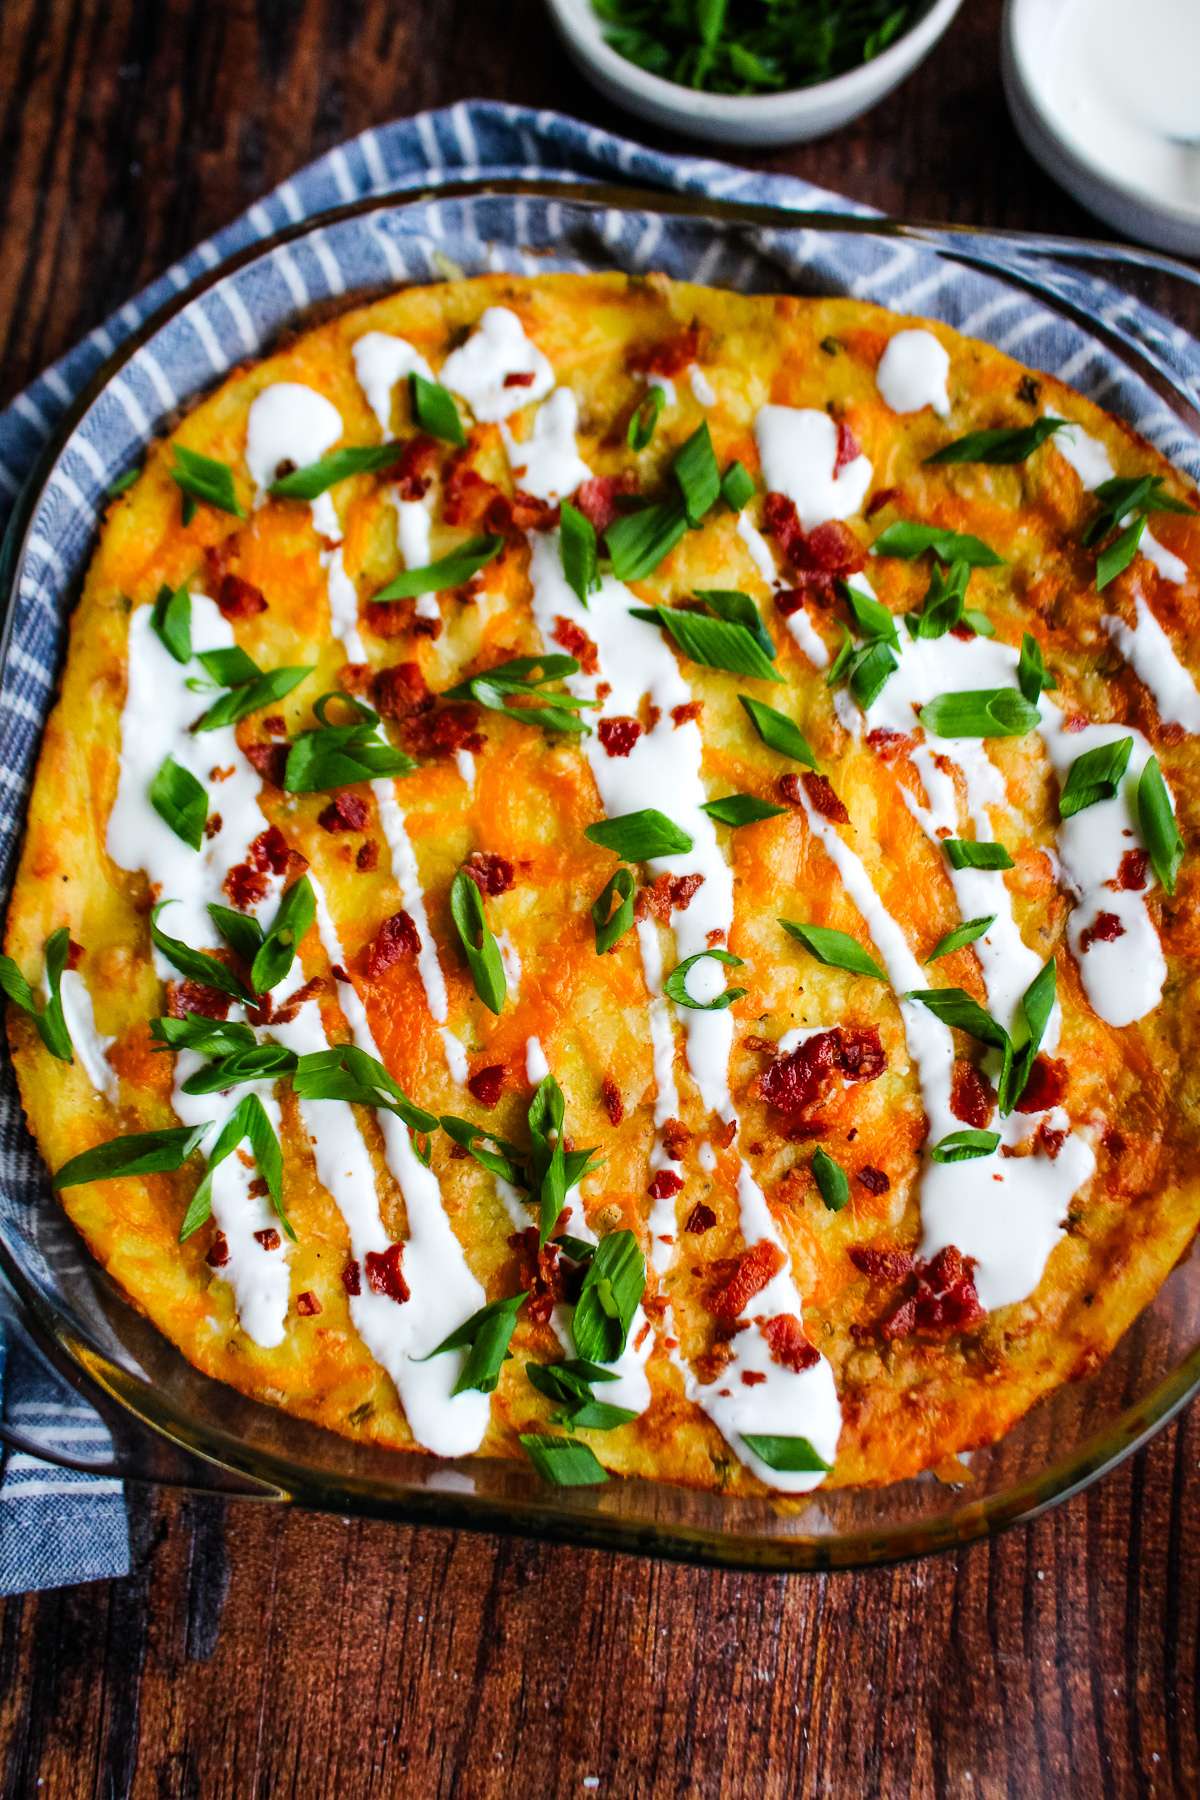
<point x="251" y="1653"/>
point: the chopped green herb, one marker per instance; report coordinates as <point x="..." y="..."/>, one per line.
<point x="644" y="418"/>
<point x="873" y="619"/>
<point x="791" y="1455"/>
<point x="974" y="853"/>
<point x="526" y="678"/>
<point x="675" y="987"/>
<point x="316" y="478"/>
<point x="433" y="409"/>
<point x="611" y="1292"/>
<point x="250" y="695"/>
<point x="870" y="672"/>
<point x="1037" y="1004"/>
<point x="564" y="1462"/>
<point x="980" y="713"/>
<point x="737" y="486"/>
<point x="1096" y="775"/>
<point x="577" y="547"/>
<point x="715" y="643"/>
<point x="248" y="1121"/>
<point x="171" y="618"/>
<point x="479" y="945"/>
<point x="738" y="609"/>
<point x="836" y="949"/>
<point x="1156" y="817"/>
<point x="1032" y="673"/>
<point x="48" y="1020"/>
<point x="964" y="1146"/>
<point x="1007" y="444"/>
<point x="196" y="965"/>
<point x="180" y="801"/>
<point x="741" y="809"/>
<point x="277" y="952"/>
<point x="778" y="732"/>
<point x="639" y="836"/>
<point x="610" y="921"/>
<point x="831" y="1180"/>
<point x="907" y="539"/>
<point x="141" y="1153"/>
<point x="1118" y="555"/>
<point x="337" y="756"/>
<point x="122" y="484"/>
<point x="204" y="478"/>
<point x="485" y="1336"/>
<point x="241" y="931"/>
<point x="695" y="469"/>
<point x="344" y="1072"/>
<point x="960" y="937"/>
<point x="944" y="602"/>
<point x="448" y="571"/>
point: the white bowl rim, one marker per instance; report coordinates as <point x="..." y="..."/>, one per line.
<point x="1017" y="31"/>
<point x="578" y="21"/>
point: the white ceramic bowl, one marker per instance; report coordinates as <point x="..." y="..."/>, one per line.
<point x="786" y="118"/>
<point x="1029" y="63"/>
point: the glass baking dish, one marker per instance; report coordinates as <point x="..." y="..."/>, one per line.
<point x="1055" y="305"/>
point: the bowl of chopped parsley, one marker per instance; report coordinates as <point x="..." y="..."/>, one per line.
<point x="749" y="71"/>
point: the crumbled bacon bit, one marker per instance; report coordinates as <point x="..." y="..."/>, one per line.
<point x="753" y="1377"/>
<point x="466" y="494"/>
<point x="788" y="601"/>
<point x="1133" y="871"/>
<point x="284" y="1014"/>
<point x="385" y="1274"/>
<point x="441" y="733"/>
<point x="212" y="825"/>
<point x="74" y="953"/>
<point x="971" y="1098"/>
<point x="787" y="1343"/>
<point x="401" y="690"/>
<point x="664" y="1183"/>
<point x="354" y="677"/>
<point x="1046" y="1087"/>
<point x="509" y="515"/>
<point x="217" y="1254"/>
<point x="519" y="378"/>
<point x="873" y="1179"/>
<point x="618" y="735"/>
<point x="900" y="1322"/>
<point x="668" y="356"/>
<point x="793" y="1081"/>
<point x="221" y="772"/>
<point x="275" y="725"/>
<point x="1104" y="929"/>
<point x="486" y="1084"/>
<point x="540" y="1272"/>
<point x="1076" y="722"/>
<point x="1113" y="1142"/>
<point x="946" y="1297"/>
<point x="270" y="851"/>
<point x="390" y="618"/>
<point x="345" y="812"/>
<point x="614" y="1105"/>
<point x="881" y="1262"/>
<point x="184" y="997"/>
<point x="666" y="894"/>
<point x="712" y="1363"/>
<point x="269" y="1238"/>
<point x="683" y="715"/>
<point x="492" y="873"/>
<point x="307" y="1304"/>
<point x="822" y="556"/>
<point x="576" y="642"/>
<point x="1050" y="1140"/>
<point x="413" y="469"/>
<point x="702" y="1218"/>
<point x="879" y="499"/>
<point x="396" y="938"/>
<point x="848" y="448"/>
<point x="240" y="599"/>
<point x="597" y="498"/>
<point x="738" y="1279"/>
<point x="270" y="760"/>
<point x="723" y="1135"/>
<point x="368" y="856"/>
<point x="823" y="798"/>
<point x="676" y="1138"/>
<point x="888" y="744"/>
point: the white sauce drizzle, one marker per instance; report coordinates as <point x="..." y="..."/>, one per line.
<point x="1151" y="655"/>
<point x="667" y="761"/>
<point x="88" y="1044"/>
<point x="380" y="361"/>
<point x="703" y="391"/>
<point x="665" y="386"/>
<point x="498" y="348"/>
<point x="290" y="423"/>
<point x="913" y="373"/>
<point x="1091" y="462"/>
<point x="798" y="448"/>
<point x="547" y="463"/>
<point x="536" y="1066"/>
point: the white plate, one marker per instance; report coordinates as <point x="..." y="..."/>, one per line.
<point x="1030" y="61"/>
<point x="787" y="118"/>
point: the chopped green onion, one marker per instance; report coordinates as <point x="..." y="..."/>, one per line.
<point x="715" y="643"/>
<point x="612" y="922"/>
<point x="960" y="937"/>
<point x="644" y="418"/>
<point x="836" y="949"/>
<point x="1006" y="444"/>
<point x="831" y="1180"/>
<point x="577" y="548"/>
<point x="479" y="945"/>
<point x="787" y="1455"/>
<point x="486" y="1337"/>
<point x="140" y="1153"/>
<point x="204" y="478"/>
<point x="316" y="478"/>
<point x="180" y="801"/>
<point x="675" y="987"/>
<point x="448" y="571"/>
<point x="171" y="618"/>
<point x="433" y="409"/>
<point x="1156" y="817"/>
<point x="907" y="539"/>
<point x="564" y="1462"/>
<point x="1094" y="776"/>
<point x="48" y="1020"/>
<point x="640" y="836"/>
<point x="778" y="732"/>
<point x="976" y="853"/>
<point x="611" y="1293"/>
<point x="964" y="1146"/>
<point x="980" y="713"/>
<point x="741" y="809"/>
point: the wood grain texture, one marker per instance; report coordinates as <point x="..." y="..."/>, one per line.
<point x="258" y="1654"/>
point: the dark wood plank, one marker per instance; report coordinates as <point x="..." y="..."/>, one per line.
<point x="252" y="1653"/>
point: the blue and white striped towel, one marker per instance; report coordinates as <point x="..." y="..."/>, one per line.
<point x="58" y="1527"/>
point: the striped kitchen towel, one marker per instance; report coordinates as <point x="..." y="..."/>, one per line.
<point x="59" y="1526"/>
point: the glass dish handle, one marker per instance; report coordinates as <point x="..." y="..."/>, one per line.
<point x="134" y="1453"/>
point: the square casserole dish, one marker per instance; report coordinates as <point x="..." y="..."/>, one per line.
<point x="1054" y="304"/>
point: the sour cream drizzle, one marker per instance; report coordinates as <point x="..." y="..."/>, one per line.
<point x="496" y="350"/>
<point x="285" y="421"/>
<point x="798" y="447"/>
<point x="913" y="372"/>
<point x="88" y="1044"/>
<point x="666" y="760"/>
<point x="547" y="463"/>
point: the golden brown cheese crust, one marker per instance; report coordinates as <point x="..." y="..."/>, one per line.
<point x="908" y="1402"/>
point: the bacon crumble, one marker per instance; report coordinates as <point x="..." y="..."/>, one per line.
<point x="396" y="939"/>
<point x="787" y="1343"/>
<point x="618" y="735"/>
<point x="737" y="1279"/>
<point x="384" y="1273"/>
<point x="492" y="873"/>
<point x="239" y="599"/>
<point x="345" y="812"/>
<point x="487" y="1084"/>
